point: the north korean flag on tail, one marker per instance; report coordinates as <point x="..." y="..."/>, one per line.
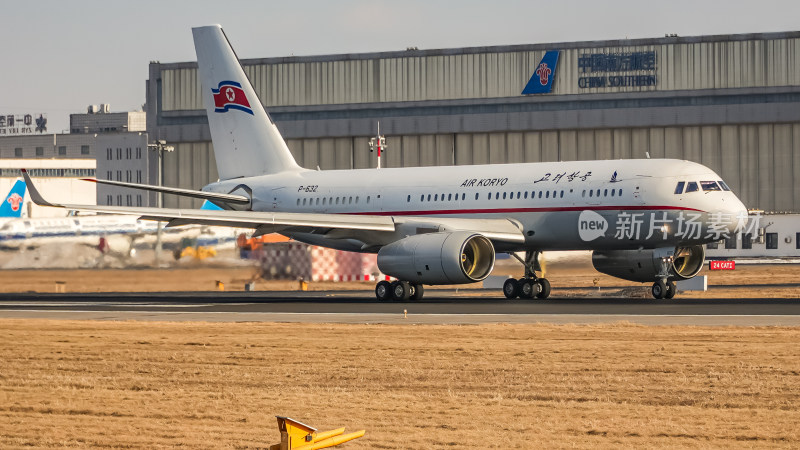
<point x="229" y="95"/>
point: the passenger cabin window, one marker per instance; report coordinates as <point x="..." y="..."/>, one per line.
<point x="679" y="187"/>
<point x="710" y="186"/>
<point x="692" y="187"/>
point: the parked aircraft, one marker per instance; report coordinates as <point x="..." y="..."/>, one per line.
<point x="119" y="231"/>
<point x="645" y="220"/>
<point x="11" y="208"/>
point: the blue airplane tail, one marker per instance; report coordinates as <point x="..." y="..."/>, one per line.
<point x="14" y="201"/>
<point x="541" y="81"/>
<point x="210" y="206"/>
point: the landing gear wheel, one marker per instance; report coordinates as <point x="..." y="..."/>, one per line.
<point x="659" y="290"/>
<point x="528" y="288"/>
<point x="672" y="289"/>
<point x="401" y="291"/>
<point x="544" y="290"/>
<point x="383" y="291"/>
<point x="511" y="288"/>
<point x="419" y="291"/>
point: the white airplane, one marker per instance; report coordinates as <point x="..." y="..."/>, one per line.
<point x="645" y="220"/>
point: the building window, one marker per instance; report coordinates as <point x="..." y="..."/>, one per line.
<point x="109" y="199"/>
<point x="128" y="200"/>
<point x="119" y="153"/>
<point x="18" y="152"/>
<point x="139" y="200"/>
<point x="119" y="176"/>
<point x="119" y="199"/>
<point x="109" y="153"/>
<point x="797" y="241"/>
<point x="712" y="245"/>
<point x="128" y="176"/>
<point x="84" y="149"/>
<point x="39" y="151"/>
<point x="730" y="243"/>
<point x="138" y="176"/>
<point x="747" y="241"/>
<point x="138" y="152"/>
<point x="128" y="153"/>
<point x="109" y="175"/>
<point x="62" y="150"/>
<point x="772" y="241"/>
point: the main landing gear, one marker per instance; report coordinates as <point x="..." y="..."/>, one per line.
<point x="398" y="291"/>
<point x="664" y="288"/>
<point x="530" y="285"/>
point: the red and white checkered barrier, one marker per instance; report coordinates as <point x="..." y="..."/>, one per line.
<point x="293" y="260"/>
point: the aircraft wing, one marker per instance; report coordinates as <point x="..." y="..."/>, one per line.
<point x="211" y="196"/>
<point x="372" y="230"/>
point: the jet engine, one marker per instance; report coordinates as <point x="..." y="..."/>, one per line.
<point x="439" y="258"/>
<point x="679" y="263"/>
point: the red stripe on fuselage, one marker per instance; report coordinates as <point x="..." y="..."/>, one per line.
<point x="439" y="212"/>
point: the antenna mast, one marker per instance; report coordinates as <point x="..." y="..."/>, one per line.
<point x="379" y="143"/>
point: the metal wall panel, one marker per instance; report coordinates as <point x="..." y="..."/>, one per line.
<point x="494" y="73"/>
<point x="759" y="162"/>
<point x="782" y="168"/>
<point x="766" y="159"/>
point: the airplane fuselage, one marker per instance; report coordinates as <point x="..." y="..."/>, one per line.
<point x="581" y="205"/>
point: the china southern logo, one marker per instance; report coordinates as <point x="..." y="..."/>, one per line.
<point x="229" y="95"/>
<point x="544" y="73"/>
<point x="14" y="200"/>
<point x="591" y="225"/>
<point x="541" y="81"/>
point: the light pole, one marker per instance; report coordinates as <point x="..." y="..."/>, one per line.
<point x="160" y="146"/>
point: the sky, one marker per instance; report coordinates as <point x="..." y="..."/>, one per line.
<point x="57" y="57"/>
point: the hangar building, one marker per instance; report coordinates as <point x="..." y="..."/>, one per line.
<point x="730" y="102"/>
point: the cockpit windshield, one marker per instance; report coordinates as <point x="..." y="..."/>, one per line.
<point x="723" y="185"/>
<point x="710" y="186"/>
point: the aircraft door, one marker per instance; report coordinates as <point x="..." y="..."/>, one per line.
<point x="276" y="199"/>
<point x="638" y="193"/>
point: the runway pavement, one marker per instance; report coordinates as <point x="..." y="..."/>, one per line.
<point x="439" y="307"/>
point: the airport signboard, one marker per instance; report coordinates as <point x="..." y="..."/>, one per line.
<point x="722" y="265"/>
<point x="16" y="124"/>
<point x="617" y="70"/>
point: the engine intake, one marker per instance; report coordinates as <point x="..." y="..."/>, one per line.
<point x="646" y="265"/>
<point x="439" y="258"/>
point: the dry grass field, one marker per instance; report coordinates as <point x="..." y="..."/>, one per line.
<point x="206" y="385"/>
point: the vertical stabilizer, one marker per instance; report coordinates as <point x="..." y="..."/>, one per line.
<point x="541" y="81"/>
<point x="246" y="141"/>
<point x="12" y="205"/>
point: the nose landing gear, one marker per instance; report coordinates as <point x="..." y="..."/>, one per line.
<point x="664" y="288"/>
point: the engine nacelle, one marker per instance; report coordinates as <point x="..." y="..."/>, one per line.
<point x="439" y="258"/>
<point x="646" y="265"/>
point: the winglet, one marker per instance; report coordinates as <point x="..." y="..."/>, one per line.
<point x="35" y="195"/>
